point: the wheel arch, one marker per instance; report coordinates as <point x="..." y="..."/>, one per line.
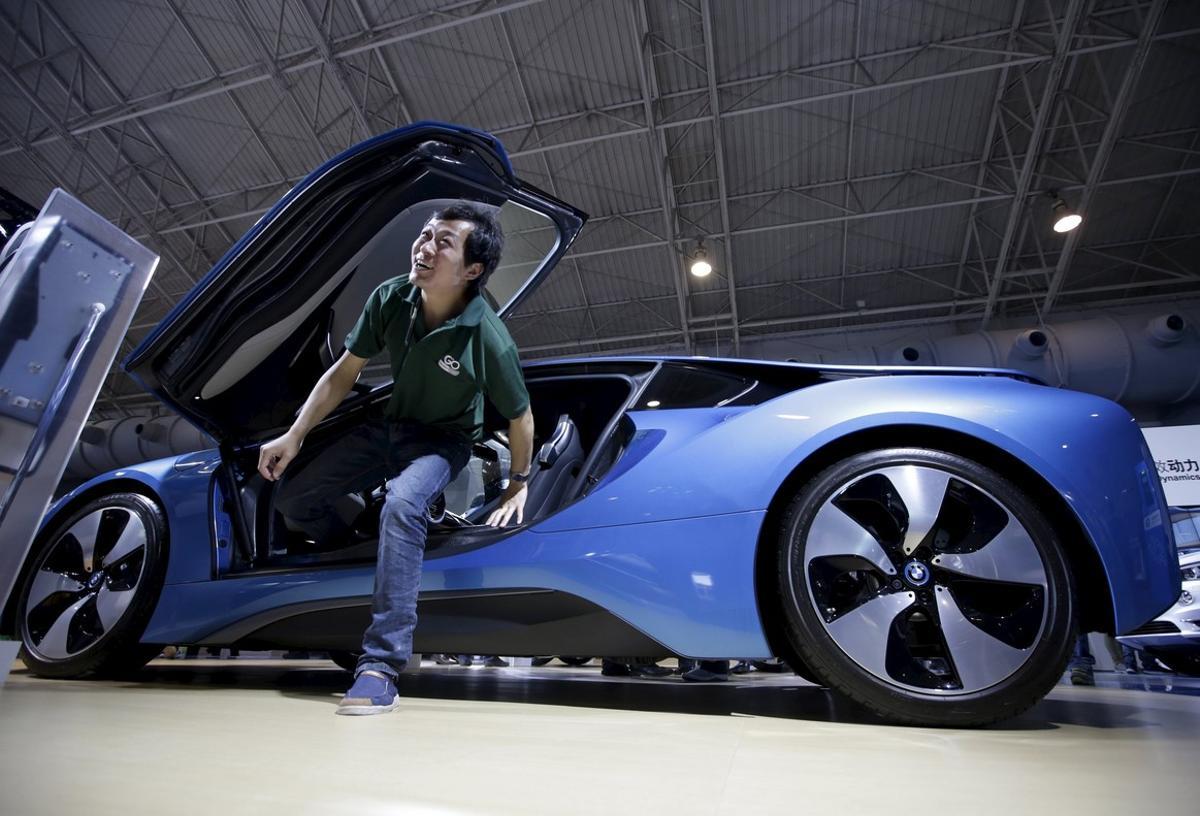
<point x="1095" y="606"/>
<point x="8" y="618"/>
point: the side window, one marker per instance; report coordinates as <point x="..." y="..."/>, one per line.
<point x="682" y="386"/>
<point x="529" y="239"/>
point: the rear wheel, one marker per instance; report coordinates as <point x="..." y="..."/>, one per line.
<point x="926" y="587"/>
<point x="96" y="579"/>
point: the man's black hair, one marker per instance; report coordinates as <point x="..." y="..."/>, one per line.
<point x="485" y="242"/>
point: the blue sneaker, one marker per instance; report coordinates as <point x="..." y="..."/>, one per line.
<point x="372" y="693"/>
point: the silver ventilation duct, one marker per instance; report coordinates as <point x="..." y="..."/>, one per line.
<point x="115" y="443"/>
<point x="1132" y="359"/>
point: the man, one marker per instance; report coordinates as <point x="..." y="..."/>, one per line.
<point x="448" y="350"/>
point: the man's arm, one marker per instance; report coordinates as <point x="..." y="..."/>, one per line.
<point x="520" y="443"/>
<point x="327" y="394"/>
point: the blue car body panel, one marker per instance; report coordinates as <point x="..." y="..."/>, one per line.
<point x="1087" y="448"/>
<point x="666" y="541"/>
<point x="689" y="584"/>
<point x="183" y="485"/>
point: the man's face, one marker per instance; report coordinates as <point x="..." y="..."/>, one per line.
<point x="437" y="257"/>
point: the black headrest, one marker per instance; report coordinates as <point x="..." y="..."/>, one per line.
<point x="558" y="442"/>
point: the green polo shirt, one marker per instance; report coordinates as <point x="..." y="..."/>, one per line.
<point x="441" y="376"/>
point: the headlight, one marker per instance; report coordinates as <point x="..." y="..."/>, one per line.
<point x="1190" y="573"/>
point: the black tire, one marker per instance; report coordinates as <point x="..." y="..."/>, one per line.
<point x="575" y="661"/>
<point x="869" y="588"/>
<point x="64" y="633"/>
<point x="1179" y="663"/>
<point x="345" y="660"/>
<point x="540" y="661"/>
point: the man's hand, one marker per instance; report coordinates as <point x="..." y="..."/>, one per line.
<point x="276" y="455"/>
<point x="330" y="390"/>
<point x="512" y="503"/>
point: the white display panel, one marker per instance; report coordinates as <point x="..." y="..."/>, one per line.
<point x="67" y="297"/>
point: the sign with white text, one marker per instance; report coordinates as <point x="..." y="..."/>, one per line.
<point x="1176" y="454"/>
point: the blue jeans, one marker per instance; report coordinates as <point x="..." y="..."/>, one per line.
<point x="416" y="462"/>
<point x="1081" y="656"/>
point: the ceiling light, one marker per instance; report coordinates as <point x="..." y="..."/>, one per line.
<point x="701" y="268"/>
<point x="1065" y="219"/>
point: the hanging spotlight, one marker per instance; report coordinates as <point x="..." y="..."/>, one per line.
<point x="1065" y="219"/>
<point x="701" y="268"/>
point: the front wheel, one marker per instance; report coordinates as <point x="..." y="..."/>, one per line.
<point x="926" y="587"/>
<point x="94" y="584"/>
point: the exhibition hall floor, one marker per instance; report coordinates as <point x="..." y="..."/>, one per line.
<point x="259" y="736"/>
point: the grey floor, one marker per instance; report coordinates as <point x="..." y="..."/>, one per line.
<point x="259" y="736"/>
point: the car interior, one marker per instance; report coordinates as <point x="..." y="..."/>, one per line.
<point x="572" y="415"/>
<point x="577" y="436"/>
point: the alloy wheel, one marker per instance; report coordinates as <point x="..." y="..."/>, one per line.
<point x="925" y="580"/>
<point x="85" y="583"/>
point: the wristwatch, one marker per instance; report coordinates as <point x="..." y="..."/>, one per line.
<point x="520" y="477"/>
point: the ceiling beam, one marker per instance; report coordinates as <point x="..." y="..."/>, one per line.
<point x="203" y="51"/>
<point x="527" y="100"/>
<point x="659" y="152"/>
<point x="1099" y="164"/>
<point x="369" y="40"/>
<point x="890" y="211"/>
<point x="714" y="106"/>
<point x="16" y="83"/>
<point x="989" y="142"/>
<point x="446" y="17"/>
<point x="103" y="177"/>
<point x="1011" y="62"/>
<point x="932" y="268"/>
<point x="389" y="72"/>
<point x="112" y="88"/>
<point x="593" y="223"/>
<point x="277" y="78"/>
<point x="1033" y="153"/>
<point x="332" y="66"/>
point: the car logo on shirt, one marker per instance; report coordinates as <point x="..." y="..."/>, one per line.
<point x="449" y="365"/>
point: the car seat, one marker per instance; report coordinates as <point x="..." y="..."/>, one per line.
<point x="552" y="471"/>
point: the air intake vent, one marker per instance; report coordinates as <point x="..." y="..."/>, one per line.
<point x="1156" y="628"/>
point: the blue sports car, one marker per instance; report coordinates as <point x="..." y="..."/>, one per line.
<point x="925" y="541"/>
